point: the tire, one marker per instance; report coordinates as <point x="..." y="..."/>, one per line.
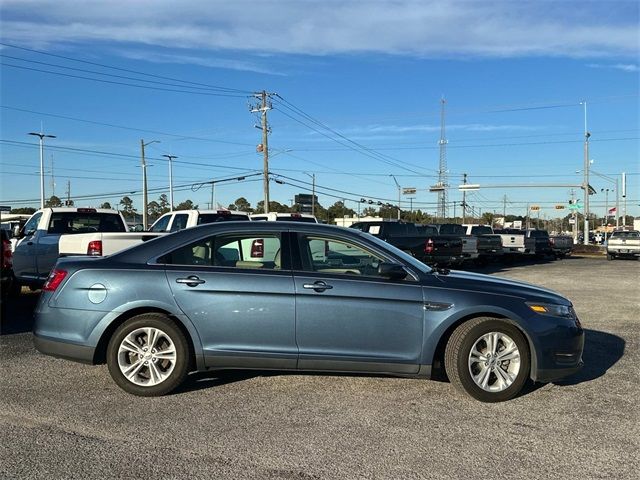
<point x="152" y="376"/>
<point x="610" y="257"/>
<point x="459" y="363"/>
<point x="15" y="288"/>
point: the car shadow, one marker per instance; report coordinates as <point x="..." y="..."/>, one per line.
<point x="602" y="351"/>
<point x="16" y="313"/>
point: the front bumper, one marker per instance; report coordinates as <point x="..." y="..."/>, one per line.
<point x="66" y="350"/>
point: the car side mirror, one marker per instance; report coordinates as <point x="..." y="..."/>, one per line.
<point x="17" y="232"/>
<point x="392" y="271"/>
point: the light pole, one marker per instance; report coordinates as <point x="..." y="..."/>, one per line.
<point x="586" y="175"/>
<point x="171" y="157"/>
<point x="313" y="192"/>
<point x="41" y="136"/>
<point x="613" y="181"/>
<point x="399" y="192"/>
<point x="145" y="199"/>
<point x="606" y="211"/>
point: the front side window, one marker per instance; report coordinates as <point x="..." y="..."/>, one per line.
<point x="246" y="251"/>
<point x="324" y="255"/>
<point x="161" y="225"/>
<point x="32" y="225"/>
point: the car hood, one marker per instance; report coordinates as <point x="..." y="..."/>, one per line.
<point x="488" y="284"/>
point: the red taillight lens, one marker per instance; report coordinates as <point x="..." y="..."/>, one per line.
<point x="257" y="248"/>
<point x="95" y="248"/>
<point x="428" y="246"/>
<point x="7" y="255"/>
<point x="55" y="279"/>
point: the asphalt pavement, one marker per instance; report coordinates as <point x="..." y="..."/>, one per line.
<point x="60" y="419"/>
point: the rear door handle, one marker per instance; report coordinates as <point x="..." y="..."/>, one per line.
<point x="190" y="281"/>
<point x="318" y="286"/>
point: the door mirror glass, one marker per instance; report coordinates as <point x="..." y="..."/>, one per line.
<point x="392" y="271"/>
<point x="17" y="231"/>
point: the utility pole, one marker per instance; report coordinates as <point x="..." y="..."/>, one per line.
<point x="145" y="199"/>
<point x="464" y="198"/>
<point x="586" y="176"/>
<point x="53" y="179"/>
<point x="624" y="196"/>
<point x="504" y="209"/>
<point x="313" y="194"/>
<point x="213" y="194"/>
<point x="574" y="227"/>
<point x="399" y="194"/>
<point x="527" y="224"/>
<point x="68" y="202"/>
<point x="442" y="166"/>
<point x="41" y="136"/>
<point x="171" y="157"/>
<point x="606" y="211"/>
<point x="263" y="108"/>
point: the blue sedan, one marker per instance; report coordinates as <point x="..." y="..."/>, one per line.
<point x="301" y="297"/>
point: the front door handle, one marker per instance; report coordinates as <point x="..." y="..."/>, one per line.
<point x="318" y="286"/>
<point x="190" y="281"/>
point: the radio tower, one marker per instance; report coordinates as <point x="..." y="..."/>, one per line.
<point x="442" y="167"/>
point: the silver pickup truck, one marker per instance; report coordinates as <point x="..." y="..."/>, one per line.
<point x="623" y="243"/>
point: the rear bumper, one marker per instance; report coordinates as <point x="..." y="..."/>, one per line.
<point x="69" y="351"/>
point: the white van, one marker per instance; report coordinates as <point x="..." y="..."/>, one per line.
<point x="284" y="217"/>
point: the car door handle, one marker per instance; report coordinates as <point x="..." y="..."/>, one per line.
<point x="29" y="243"/>
<point x="318" y="286"/>
<point x="190" y="281"/>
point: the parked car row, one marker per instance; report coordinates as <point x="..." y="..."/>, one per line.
<point x="450" y="244"/>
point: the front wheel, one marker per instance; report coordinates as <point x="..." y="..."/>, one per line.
<point x="148" y="355"/>
<point x="488" y="358"/>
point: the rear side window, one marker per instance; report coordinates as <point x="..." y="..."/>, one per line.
<point x="481" y="231"/>
<point x="245" y="251"/>
<point x="294" y="218"/>
<point x="539" y="233"/>
<point x="452" y="230"/>
<point x="220" y="217"/>
<point x="66" y="223"/>
<point x="31" y="226"/>
<point x="179" y="222"/>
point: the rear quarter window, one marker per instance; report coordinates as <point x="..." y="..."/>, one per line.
<point x="66" y="223"/>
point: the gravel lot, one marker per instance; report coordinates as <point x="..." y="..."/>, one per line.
<point x="59" y="419"/>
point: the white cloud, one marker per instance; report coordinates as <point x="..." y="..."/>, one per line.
<point x="625" y="67"/>
<point x="429" y="28"/>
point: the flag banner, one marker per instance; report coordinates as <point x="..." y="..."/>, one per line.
<point x="612" y="211"/>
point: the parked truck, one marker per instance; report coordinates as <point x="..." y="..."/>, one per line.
<point x="102" y="244"/>
<point x="469" y="242"/>
<point x="516" y="242"/>
<point x="423" y="242"/>
<point x="489" y="244"/>
<point x="37" y="245"/>
<point x="561" y="245"/>
<point x="623" y="244"/>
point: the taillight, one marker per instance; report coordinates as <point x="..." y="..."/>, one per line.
<point x="428" y="246"/>
<point x="257" y="248"/>
<point x="95" y="248"/>
<point x="55" y="279"/>
<point x="7" y="255"/>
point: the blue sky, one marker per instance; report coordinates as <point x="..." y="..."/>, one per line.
<point x="513" y="75"/>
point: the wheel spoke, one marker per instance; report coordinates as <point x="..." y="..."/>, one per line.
<point x="155" y="376"/>
<point x="133" y="370"/>
<point x="168" y="354"/>
<point x="152" y="337"/>
<point x="483" y="377"/>
<point x="494" y="342"/>
<point x="509" y="354"/>
<point x="130" y="346"/>
<point x="504" y="376"/>
<point x="476" y="356"/>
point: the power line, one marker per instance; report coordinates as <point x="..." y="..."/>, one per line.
<point x="40" y="52"/>
<point x="113" y="125"/>
<point x="113" y="82"/>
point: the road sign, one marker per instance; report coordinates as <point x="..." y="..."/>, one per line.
<point x="469" y="186"/>
<point x="534" y="208"/>
<point x="409" y="191"/>
<point x="559" y="207"/>
<point x="436" y="188"/>
<point x="572" y="221"/>
<point x="5" y="208"/>
<point x="574" y="207"/>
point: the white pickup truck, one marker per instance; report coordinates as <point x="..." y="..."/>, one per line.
<point x="516" y="241"/>
<point x="102" y="244"/>
<point x="623" y="243"/>
<point x="37" y="242"/>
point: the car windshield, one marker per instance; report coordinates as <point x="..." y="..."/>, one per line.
<point x="418" y="265"/>
<point x="481" y="230"/>
<point x="452" y="229"/>
<point x="632" y="234"/>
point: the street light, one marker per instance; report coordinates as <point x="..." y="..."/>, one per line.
<point x="41" y="136"/>
<point x="585" y="183"/>
<point x="171" y="157"/>
<point x="613" y="181"/>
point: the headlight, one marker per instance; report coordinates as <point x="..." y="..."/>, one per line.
<point x="553" y="310"/>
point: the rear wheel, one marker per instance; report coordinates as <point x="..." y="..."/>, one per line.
<point x="610" y="256"/>
<point x="488" y="358"/>
<point x="148" y="355"/>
